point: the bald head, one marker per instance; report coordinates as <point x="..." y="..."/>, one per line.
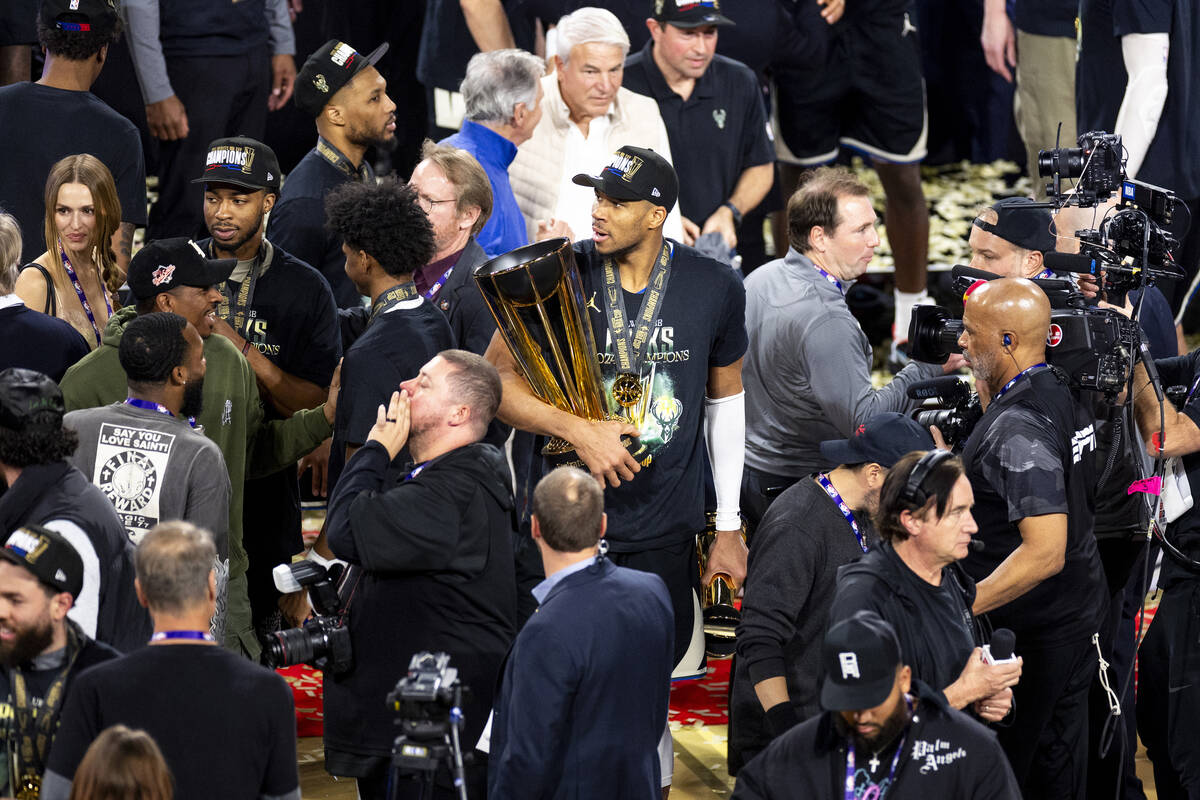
<point x="1005" y="323"/>
<point x="568" y="505"/>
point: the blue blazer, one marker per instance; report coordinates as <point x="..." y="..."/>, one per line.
<point x="583" y="701"/>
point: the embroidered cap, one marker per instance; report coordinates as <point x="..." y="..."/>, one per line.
<point x="46" y="554"/>
<point x="860" y="656"/>
<point x="329" y="69"/>
<point x="689" y="13"/>
<point x="636" y="173"/>
<point x="80" y="16"/>
<point x="29" y="399"/>
<point x="241" y="161"/>
<point x="884" y="439"/>
<point x="166" y="263"/>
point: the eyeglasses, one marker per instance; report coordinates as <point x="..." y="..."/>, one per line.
<point x="428" y="203"/>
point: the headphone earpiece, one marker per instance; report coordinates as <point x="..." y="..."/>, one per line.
<point x="1007" y="340"/>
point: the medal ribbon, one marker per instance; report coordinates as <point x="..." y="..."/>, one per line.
<point x="150" y="405"/>
<point x="83" y="301"/>
<point x="363" y="172"/>
<point x="245" y="296"/>
<point x="392" y="297"/>
<point x="845" y="509"/>
<point x="629" y="353"/>
<point x="35" y="735"/>
<point x="1016" y="378"/>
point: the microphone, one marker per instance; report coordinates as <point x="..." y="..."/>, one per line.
<point x="1000" y="649"/>
<point x="1071" y="262"/>
<point x="945" y="386"/>
<point x="976" y="545"/>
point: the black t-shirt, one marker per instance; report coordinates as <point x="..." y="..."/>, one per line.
<point x="1030" y="456"/>
<point x="226" y="727"/>
<point x="716" y="135"/>
<point x="38" y="677"/>
<point x="1046" y="17"/>
<point x="33" y="340"/>
<point x="1101" y="79"/>
<point x="701" y="325"/>
<point x="393" y="349"/>
<point x="40" y="125"/>
<point x="1184" y="532"/>
<point x="297" y="224"/>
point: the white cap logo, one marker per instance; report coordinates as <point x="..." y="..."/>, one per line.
<point x="59" y="575"/>
<point x="849" y="665"/>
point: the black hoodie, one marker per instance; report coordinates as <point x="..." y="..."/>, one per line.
<point x="437" y="574"/>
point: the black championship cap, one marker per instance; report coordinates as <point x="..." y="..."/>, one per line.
<point x="690" y="14"/>
<point x="80" y="15"/>
<point x="241" y="161"/>
<point x="166" y="263"/>
<point x="46" y="554"/>
<point x="329" y="69"/>
<point x="859" y="656"/>
<point x="1019" y="221"/>
<point x="636" y="173"/>
<point x="24" y="394"/>
<point x="884" y="439"/>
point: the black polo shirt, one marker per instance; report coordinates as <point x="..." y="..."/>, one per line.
<point x="297" y="223"/>
<point x="716" y="135"/>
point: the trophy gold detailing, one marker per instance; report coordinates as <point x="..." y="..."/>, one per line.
<point x="536" y="296"/>
<point x="721" y="616"/>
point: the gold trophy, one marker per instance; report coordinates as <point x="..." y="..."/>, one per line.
<point x="536" y="296"/>
<point x="721" y="617"/>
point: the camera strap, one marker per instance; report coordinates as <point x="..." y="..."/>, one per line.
<point x="627" y="388"/>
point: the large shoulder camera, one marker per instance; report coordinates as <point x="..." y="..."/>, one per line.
<point x="323" y="641"/>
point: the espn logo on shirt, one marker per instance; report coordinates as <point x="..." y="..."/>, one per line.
<point x="1082" y="441"/>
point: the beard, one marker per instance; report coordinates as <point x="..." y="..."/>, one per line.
<point x="380" y="139"/>
<point x="237" y="244"/>
<point x="28" y="643"/>
<point x="193" y="398"/>
<point x="888" y="731"/>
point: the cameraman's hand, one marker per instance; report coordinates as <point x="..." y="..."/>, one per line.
<point x="295" y="608"/>
<point x="1125" y="310"/>
<point x="1089" y="285"/>
<point x="955" y="363"/>
<point x="599" y="446"/>
<point x="391" y="424"/>
<point x="996" y="707"/>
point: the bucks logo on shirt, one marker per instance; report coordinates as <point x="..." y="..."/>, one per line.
<point x="130" y="463"/>
<point x="658" y="413"/>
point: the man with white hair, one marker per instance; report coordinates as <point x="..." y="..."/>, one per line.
<point x="503" y="100"/>
<point x="587" y="115"/>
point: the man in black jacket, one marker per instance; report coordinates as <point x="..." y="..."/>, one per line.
<point x="434" y="552"/>
<point x="876" y="737"/>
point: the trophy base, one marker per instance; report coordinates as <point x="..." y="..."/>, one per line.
<point x="561" y="453"/>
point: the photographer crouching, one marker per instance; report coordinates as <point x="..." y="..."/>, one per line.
<point x="434" y="562"/>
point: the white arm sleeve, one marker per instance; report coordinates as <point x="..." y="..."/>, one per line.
<point x="725" y="436"/>
<point x="87" y="606"/>
<point x="1146" y="62"/>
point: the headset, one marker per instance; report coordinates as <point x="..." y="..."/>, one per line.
<point x="912" y="492"/>
<point x="1007" y="340"/>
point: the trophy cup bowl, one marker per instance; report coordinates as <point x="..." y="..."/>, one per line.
<point x="535" y="295"/>
<point x="720" y="615"/>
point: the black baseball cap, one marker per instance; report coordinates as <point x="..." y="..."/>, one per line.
<point x="690" y="13"/>
<point x="46" y="554"/>
<point x="166" y="263"/>
<point x="636" y="173"/>
<point x="241" y="161"/>
<point x="80" y="15"/>
<point x="1019" y="220"/>
<point x="859" y="657"/>
<point x="884" y="439"/>
<point x="329" y="69"/>
<point x="24" y="395"/>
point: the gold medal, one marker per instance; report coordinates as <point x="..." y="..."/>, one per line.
<point x="30" y="787"/>
<point x="627" y="389"/>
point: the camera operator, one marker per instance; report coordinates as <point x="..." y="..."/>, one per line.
<point x="1028" y="461"/>
<point x="435" y="552"/>
<point x="913" y="581"/>
<point x="1168" y="709"/>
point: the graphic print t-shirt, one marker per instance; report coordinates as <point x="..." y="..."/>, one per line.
<point x="701" y="324"/>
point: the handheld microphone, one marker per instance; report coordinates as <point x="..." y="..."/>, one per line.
<point x="1071" y="262"/>
<point x="933" y="388"/>
<point x="975" y="545"/>
<point x="1000" y="649"/>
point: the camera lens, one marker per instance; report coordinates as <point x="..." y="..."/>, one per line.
<point x="1066" y="161"/>
<point x="295" y="646"/>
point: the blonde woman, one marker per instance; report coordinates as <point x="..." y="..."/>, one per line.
<point x="77" y="277"/>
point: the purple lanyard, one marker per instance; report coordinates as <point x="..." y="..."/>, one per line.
<point x="152" y="406"/>
<point x="437" y="287"/>
<point x="877" y="791"/>
<point x="845" y="509"/>
<point x="196" y="636"/>
<point x="1016" y="378"/>
<point x="1046" y="273"/>
<point x="87" y="307"/>
<point x="831" y="279"/>
<point x="416" y="471"/>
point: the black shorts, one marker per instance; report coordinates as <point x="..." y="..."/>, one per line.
<point x="868" y="96"/>
<point x="18" y="22"/>
<point x="679" y="568"/>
